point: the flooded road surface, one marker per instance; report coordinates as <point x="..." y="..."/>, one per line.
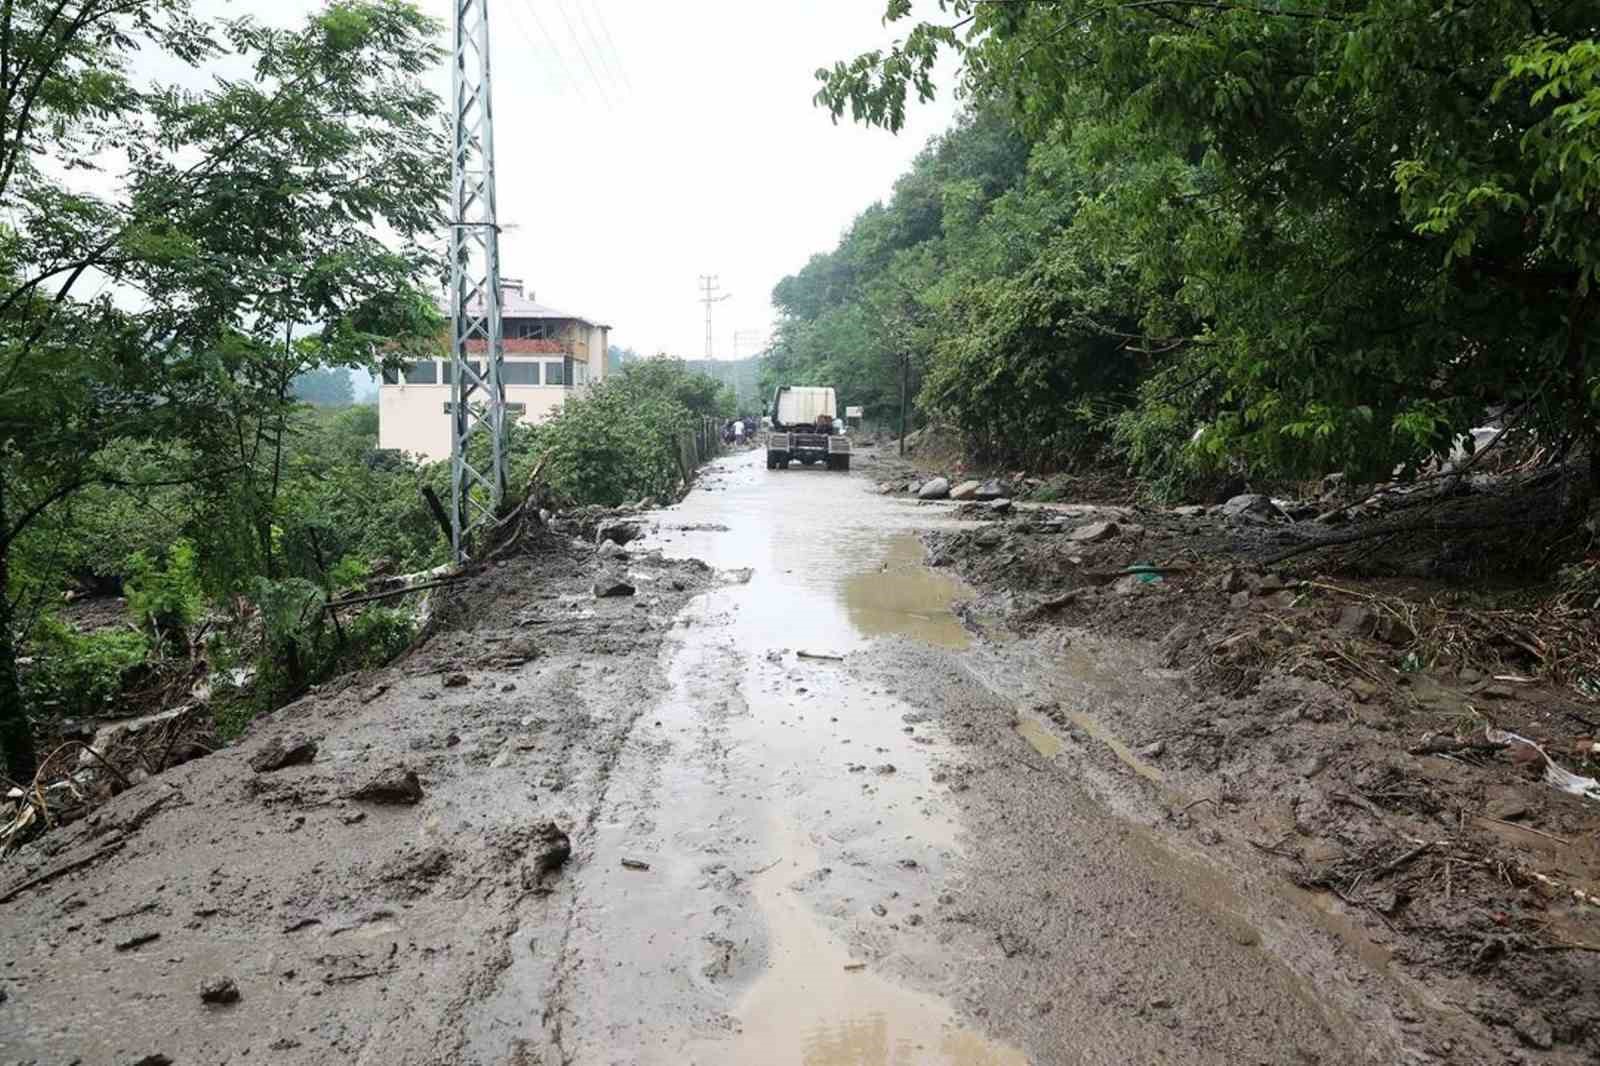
<point x="787" y="817"/>
<point x="829" y="843"/>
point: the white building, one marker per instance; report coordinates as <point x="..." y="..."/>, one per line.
<point x="549" y="356"/>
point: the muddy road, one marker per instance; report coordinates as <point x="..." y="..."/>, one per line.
<point x="817" y="813"/>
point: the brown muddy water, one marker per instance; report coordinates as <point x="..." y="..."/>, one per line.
<point x="785" y="812"/>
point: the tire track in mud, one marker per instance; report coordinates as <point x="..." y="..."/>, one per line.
<point x="697" y="682"/>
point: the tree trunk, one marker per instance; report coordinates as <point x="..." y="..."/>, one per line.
<point x="905" y="374"/>
<point x="1585" y="428"/>
<point x="16" y="733"/>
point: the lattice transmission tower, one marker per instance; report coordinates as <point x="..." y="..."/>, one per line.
<point x="477" y="391"/>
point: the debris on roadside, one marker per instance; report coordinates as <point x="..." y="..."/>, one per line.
<point x="396" y="785"/>
<point x="609" y="585"/>
<point x="280" y="752"/>
<point x="219" y="991"/>
<point x="635" y="864"/>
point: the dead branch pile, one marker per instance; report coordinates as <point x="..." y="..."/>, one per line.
<point x="78" y="776"/>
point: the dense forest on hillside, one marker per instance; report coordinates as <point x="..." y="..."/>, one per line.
<point x="1279" y="239"/>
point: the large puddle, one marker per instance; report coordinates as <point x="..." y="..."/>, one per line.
<point x="815" y="1005"/>
<point x="901" y="596"/>
<point x="834" y="787"/>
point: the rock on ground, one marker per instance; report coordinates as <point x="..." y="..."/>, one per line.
<point x="609" y="585"/>
<point x="966" y="490"/>
<point x="395" y="785"/>
<point x="937" y="489"/>
<point x="280" y="752"/>
<point x="1094" y="532"/>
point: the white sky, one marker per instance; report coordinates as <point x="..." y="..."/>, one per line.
<point x="642" y="143"/>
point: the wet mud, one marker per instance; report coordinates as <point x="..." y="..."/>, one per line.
<point x="822" y="810"/>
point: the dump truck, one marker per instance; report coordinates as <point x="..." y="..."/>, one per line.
<point x="806" y="427"/>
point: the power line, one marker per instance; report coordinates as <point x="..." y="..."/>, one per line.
<point x="600" y="16"/>
<point x="582" y="51"/>
<point x="537" y="50"/>
<point x="607" y="53"/>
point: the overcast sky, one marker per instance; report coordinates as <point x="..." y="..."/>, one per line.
<point x="641" y="143"/>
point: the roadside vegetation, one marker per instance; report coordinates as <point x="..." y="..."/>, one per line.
<point x="188" y="277"/>
<point x="1272" y="241"/>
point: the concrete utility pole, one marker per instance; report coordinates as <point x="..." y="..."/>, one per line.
<point x="477" y="393"/>
<point x="709" y="286"/>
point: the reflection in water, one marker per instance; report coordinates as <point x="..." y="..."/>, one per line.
<point x="905" y="597"/>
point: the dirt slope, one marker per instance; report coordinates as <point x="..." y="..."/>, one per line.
<point x="350" y="928"/>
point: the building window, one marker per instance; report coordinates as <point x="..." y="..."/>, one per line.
<point x="423" y="373"/>
<point x="554" y="373"/>
<point x="580" y="373"/>
<point x="519" y="373"/>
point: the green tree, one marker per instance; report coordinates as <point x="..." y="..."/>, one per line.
<point x="270" y="225"/>
<point x="1355" y="227"/>
<point x="325" y="388"/>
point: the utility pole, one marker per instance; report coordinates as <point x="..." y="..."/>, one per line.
<point x="709" y="286"/>
<point x="477" y="393"/>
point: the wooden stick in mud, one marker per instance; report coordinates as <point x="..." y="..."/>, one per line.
<point x="66" y="868"/>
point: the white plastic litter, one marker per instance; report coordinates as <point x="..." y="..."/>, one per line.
<point x="1565" y="780"/>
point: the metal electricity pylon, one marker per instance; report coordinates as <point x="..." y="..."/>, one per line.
<point x="709" y="289"/>
<point x="477" y="393"/>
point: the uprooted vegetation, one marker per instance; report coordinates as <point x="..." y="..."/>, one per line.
<point x="1374" y="706"/>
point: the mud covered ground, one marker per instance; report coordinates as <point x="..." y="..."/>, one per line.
<point x="349" y="926"/>
<point x="1330" y="730"/>
<point x="806" y="800"/>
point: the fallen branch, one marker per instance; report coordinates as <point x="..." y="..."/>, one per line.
<point x="334" y="605"/>
<point x="1449" y="745"/>
<point x="1526" y="829"/>
<point x="66" y="868"/>
<point x="1390" y="529"/>
<point x="1394" y="864"/>
<point x="820" y="655"/>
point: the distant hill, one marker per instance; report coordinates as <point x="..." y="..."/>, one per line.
<point x="741" y="375"/>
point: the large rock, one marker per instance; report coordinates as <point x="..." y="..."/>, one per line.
<point x="937" y="489"/>
<point x="1094" y="532"/>
<point x="1253" y="507"/>
<point x="989" y="490"/>
<point x="280" y="752"/>
<point x="611" y="585"/>
<point x="396" y="785"/>
<point x="620" y="531"/>
<point x="1000" y="506"/>
<point x="966" y="490"/>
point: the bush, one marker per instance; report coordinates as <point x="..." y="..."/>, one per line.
<point x="168" y="598"/>
<point x="620" y="442"/>
<point x="75" y="673"/>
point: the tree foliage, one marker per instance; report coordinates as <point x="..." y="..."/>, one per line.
<point x="624" y="439"/>
<point x="1289" y="237"/>
<point x="175" y="258"/>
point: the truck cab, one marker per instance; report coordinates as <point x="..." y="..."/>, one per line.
<point x="806" y="427"/>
